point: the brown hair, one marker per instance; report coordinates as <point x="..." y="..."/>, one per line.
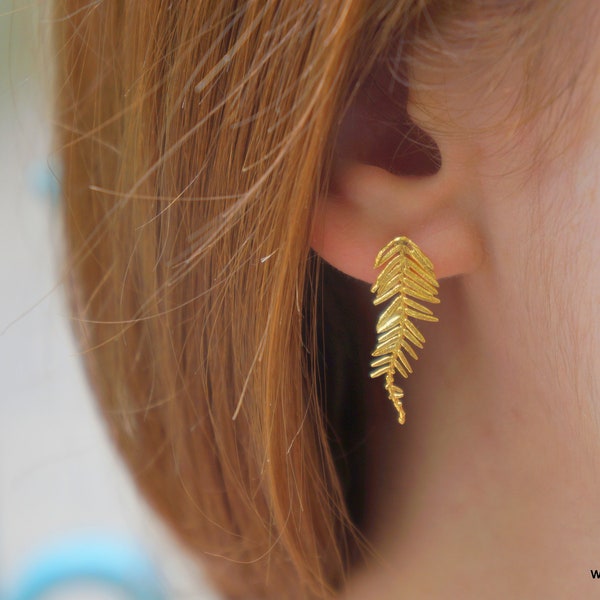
<point x="196" y="138"/>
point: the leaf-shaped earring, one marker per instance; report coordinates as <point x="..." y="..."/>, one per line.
<point x="407" y="274"/>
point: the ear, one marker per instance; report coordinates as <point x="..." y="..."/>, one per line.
<point x="397" y="172"/>
<point x="367" y="206"/>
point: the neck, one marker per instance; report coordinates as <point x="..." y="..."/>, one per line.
<point x="483" y="492"/>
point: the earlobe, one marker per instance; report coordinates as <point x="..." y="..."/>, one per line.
<point x="368" y="206"/>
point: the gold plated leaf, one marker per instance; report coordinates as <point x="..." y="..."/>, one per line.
<point x="407" y="274"/>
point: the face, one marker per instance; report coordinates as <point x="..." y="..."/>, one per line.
<point x="533" y="186"/>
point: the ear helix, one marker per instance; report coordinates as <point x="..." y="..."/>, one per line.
<point x="407" y="274"/>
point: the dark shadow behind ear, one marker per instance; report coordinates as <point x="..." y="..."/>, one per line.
<point x="343" y="370"/>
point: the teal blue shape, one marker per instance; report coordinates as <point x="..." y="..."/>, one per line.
<point x="107" y="561"/>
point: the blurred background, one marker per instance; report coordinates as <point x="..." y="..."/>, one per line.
<point x="58" y="473"/>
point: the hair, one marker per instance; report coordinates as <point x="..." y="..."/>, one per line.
<point x="196" y="138"/>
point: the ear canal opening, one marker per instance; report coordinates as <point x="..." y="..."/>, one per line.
<point x="415" y="155"/>
<point x="377" y="130"/>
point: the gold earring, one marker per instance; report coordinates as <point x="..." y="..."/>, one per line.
<point x="408" y="273"/>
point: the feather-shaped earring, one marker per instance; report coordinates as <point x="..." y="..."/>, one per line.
<point x="407" y="274"/>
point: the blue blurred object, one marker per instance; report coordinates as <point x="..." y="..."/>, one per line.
<point x="102" y="560"/>
<point x="44" y="179"/>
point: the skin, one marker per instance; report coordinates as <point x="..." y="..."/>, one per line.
<point x="491" y="490"/>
